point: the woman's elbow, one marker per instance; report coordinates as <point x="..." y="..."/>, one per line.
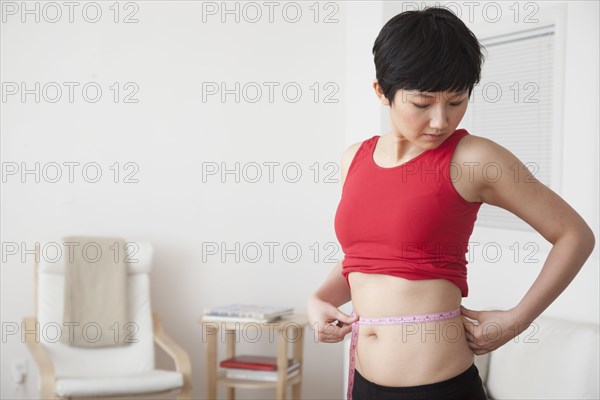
<point x="587" y="239"/>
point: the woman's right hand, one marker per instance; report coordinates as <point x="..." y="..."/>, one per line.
<point x="328" y="323"/>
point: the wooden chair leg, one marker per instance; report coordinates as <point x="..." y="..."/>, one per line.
<point x="184" y="395"/>
<point x="297" y="349"/>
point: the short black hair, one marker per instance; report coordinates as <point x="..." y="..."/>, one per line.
<point x="429" y="50"/>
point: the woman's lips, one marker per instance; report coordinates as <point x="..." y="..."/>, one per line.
<point x="432" y="137"/>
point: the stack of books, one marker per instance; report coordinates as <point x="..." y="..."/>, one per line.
<point x="260" y="368"/>
<point x="246" y="313"/>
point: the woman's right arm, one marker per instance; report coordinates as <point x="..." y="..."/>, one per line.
<point x="329" y="323"/>
<point x="334" y="289"/>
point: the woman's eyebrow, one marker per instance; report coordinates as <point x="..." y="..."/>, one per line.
<point x="421" y="94"/>
<point x="431" y="96"/>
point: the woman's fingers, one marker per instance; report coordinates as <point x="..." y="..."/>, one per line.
<point x="344" y="330"/>
<point x="333" y="333"/>
<point x="472" y="339"/>
<point x="470" y="328"/>
<point x="330" y="325"/>
<point x="345" y="319"/>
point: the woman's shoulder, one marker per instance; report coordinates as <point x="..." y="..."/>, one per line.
<point x="482" y="161"/>
<point x="473" y="149"/>
<point x="348" y="155"/>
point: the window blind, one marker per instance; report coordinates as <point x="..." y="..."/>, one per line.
<point x="513" y="106"/>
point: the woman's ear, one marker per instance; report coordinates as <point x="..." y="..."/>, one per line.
<point x="379" y="93"/>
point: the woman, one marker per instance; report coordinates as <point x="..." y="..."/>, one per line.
<point x="404" y="225"/>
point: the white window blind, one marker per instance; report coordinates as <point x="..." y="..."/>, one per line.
<point x="513" y="106"/>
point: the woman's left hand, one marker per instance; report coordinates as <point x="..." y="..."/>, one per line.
<point x="494" y="328"/>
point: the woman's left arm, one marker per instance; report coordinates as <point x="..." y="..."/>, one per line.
<point x="519" y="192"/>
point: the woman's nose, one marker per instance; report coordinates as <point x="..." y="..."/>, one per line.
<point x="438" y="119"/>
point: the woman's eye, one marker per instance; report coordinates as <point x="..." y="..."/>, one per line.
<point x="426" y="105"/>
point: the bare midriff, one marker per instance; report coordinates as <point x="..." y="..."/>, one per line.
<point x="414" y="353"/>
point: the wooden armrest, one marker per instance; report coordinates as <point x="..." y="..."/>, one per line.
<point x="176" y="352"/>
<point x="41" y="357"/>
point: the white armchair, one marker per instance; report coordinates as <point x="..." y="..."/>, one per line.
<point x="127" y="370"/>
<point x="553" y="359"/>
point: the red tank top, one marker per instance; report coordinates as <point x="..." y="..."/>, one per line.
<point x="408" y="220"/>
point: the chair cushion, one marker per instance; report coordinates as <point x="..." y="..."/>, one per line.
<point x="148" y="382"/>
<point x="552" y="359"/>
<point x="128" y="359"/>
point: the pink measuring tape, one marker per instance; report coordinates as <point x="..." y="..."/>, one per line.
<point x="439" y="316"/>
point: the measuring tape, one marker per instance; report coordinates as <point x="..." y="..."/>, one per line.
<point x="439" y="316"/>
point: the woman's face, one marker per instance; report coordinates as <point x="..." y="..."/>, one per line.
<point x="415" y="114"/>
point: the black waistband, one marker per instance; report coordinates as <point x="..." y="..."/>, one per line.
<point x="456" y="382"/>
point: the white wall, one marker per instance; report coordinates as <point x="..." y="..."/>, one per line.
<point x="170" y="132"/>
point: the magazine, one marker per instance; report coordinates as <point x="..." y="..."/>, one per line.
<point x="246" y="313"/>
